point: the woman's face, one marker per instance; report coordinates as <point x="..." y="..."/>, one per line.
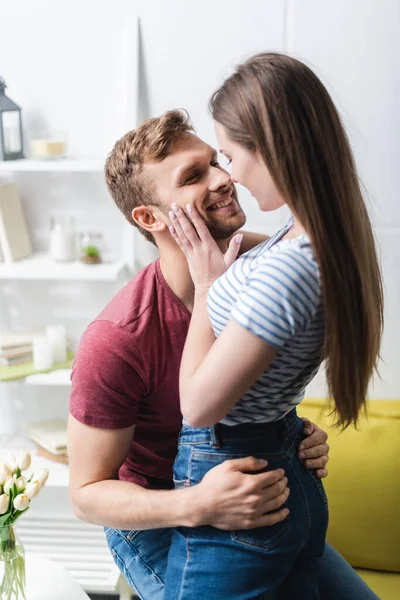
<point x="249" y="169"/>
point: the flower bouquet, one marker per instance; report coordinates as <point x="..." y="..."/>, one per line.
<point x="16" y="493"/>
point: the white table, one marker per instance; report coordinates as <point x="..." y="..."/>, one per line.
<point x="48" y="580"/>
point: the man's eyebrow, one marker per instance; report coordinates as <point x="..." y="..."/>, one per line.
<point x="182" y="172"/>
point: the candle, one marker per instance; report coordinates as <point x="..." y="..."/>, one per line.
<point x="42" y="353"/>
<point x="57" y="336"/>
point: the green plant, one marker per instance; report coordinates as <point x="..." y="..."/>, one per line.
<point x="91" y="251"/>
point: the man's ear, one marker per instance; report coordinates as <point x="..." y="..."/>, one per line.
<point x="148" y="217"/>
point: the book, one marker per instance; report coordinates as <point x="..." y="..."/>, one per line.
<point x="50" y="435"/>
<point x="16" y="360"/>
<point x="15" y="241"/>
<point x="17" y="340"/>
<point x="16" y="351"/>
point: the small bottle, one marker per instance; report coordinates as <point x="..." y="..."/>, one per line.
<point x="62" y="241"/>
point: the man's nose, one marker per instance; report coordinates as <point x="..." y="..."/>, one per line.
<point x="220" y="179"/>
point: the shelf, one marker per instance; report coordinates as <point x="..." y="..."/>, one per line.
<point x="42" y="267"/>
<point x="27" y="165"/>
<point x="58" y="377"/>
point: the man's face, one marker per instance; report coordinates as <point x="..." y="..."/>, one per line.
<point x="191" y="174"/>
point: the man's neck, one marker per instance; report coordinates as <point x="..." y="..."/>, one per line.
<point x="175" y="270"/>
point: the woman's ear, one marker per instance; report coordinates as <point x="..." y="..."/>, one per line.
<point x="148" y="217"/>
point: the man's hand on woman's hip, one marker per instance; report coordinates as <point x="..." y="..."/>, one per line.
<point x="314" y="451"/>
<point x="233" y="495"/>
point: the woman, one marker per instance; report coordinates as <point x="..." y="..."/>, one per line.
<point x="312" y="292"/>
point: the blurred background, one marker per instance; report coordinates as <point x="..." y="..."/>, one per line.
<point x="84" y="73"/>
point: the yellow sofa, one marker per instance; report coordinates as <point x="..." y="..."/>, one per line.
<point x="363" y="489"/>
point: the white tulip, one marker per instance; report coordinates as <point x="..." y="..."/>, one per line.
<point x="8" y="485"/>
<point x="20" y="483"/>
<point x="32" y="489"/>
<point x="42" y="476"/>
<point x="5" y="473"/>
<point x="24" y="461"/>
<point x="11" y="462"/>
<point x="4" y="503"/>
<point x="21" y="502"/>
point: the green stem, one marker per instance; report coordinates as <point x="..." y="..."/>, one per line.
<point x="12" y="562"/>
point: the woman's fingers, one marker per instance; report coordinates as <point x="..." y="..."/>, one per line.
<point x="179" y="234"/>
<point x="183" y="226"/>
<point x="199" y="224"/>
<point x="233" y="249"/>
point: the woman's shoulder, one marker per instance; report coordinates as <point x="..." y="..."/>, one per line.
<point x="291" y="259"/>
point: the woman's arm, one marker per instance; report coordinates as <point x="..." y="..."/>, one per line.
<point x="215" y="374"/>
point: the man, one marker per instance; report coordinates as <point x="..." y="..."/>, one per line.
<point x="125" y="416"/>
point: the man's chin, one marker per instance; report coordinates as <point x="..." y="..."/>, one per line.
<point x="221" y="230"/>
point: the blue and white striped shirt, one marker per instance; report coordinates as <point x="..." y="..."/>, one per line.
<point x="274" y="291"/>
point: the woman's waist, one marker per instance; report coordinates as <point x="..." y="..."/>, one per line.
<point x="220" y="434"/>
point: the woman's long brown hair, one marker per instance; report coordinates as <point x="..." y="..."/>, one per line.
<point x="276" y="105"/>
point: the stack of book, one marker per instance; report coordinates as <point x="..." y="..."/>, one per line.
<point x="16" y="348"/>
<point x="50" y="438"/>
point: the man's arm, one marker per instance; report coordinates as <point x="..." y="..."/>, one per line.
<point x="229" y="496"/>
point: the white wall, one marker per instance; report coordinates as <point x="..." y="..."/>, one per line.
<point x="187" y="48"/>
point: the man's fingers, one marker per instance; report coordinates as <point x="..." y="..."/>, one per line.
<point x="317" y="437"/>
<point x="270" y="478"/>
<point x="277" y="502"/>
<point x="316" y="463"/>
<point x="269" y="519"/>
<point x="321" y="473"/>
<point x="249" y="463"/>
<point x="308" y="427"/>
<point x="314" y="452"/>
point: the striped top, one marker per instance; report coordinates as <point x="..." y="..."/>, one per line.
<point x="274" y="291"/>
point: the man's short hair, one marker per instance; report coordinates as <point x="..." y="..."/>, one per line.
<point x="151" y="141"/>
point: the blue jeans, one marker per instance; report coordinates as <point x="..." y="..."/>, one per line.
<point x="142" y="557"/>
<point x="209" y="563"/>
<point x="253" y="564"/>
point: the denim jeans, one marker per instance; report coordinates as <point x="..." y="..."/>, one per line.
<point x="245" y="565"/>
<point x="142" y="557"/>
<point x="208" y="563"/>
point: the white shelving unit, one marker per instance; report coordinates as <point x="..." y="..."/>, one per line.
<point x="50" y="528"/>
<point x="52" y="166"/>
<point x="57" y="378"/>
<point x="42" y="267"/>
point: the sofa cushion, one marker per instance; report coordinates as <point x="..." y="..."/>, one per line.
<point x="385" y="585"/>
<point x="363" y="485"/>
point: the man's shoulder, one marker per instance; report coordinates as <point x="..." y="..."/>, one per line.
<point x="133" y="301"/>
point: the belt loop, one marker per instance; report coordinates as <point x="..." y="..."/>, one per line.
<point x="214" y="436"/>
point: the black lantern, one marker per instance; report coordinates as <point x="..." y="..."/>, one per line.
<point x="10" y="127"/>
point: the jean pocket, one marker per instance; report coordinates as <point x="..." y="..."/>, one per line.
<point x="264" y="539"/>
<point x="319" y="485"/>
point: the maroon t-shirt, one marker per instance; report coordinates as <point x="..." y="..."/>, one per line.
<point x="126" y="372"/>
